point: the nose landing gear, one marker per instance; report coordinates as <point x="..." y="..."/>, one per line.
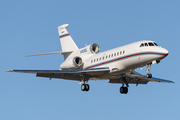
<point x="149" y="75"/>
<point x="148" y="67"/>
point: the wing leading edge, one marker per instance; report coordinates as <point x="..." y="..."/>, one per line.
<point x="66" y="74"/>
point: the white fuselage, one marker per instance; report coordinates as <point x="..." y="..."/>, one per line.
<point x="125" y="58"/>
<point x="119" y="60"/>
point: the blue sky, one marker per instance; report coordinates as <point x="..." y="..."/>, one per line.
<point x="30" y="27"/>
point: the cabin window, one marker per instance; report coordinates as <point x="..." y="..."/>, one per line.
<point x="106" y="57"/>
<point x="117" y="53"/>
<point x="91" y="61"/>
<point x="97" y="59"/>
<point x="120" y="53"/>
<point x="109" y="56"/>
<point x="114" y="54"/>
<point x="103" y="58"/>
<point x="123" y="51"/>
<point x="146" y="44"/>
<point x="94" y="60"/>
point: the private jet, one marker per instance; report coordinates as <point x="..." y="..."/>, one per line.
<point x="116" y="65"/>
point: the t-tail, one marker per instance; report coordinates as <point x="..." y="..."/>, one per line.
<point x="67" y="43"/>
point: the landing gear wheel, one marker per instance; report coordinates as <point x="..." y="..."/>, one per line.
<point x="85" y="87"/>
<point x="149" y="75"/>
<point x="123" y="90"/>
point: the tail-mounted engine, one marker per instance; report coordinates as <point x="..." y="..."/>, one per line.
<point x="94" y="48"/>
<point x="90" y="49"/>
<point x="73" y="63"/>
<point x="77" y="62"/>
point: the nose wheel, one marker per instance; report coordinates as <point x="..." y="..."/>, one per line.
<point x="149" y="75"/>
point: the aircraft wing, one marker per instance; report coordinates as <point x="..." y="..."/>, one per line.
<point x="136" y="78"/>
<point x="153" y="79"/>
<point x="66" y="74"/>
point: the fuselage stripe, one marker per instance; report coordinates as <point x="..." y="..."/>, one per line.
<point x="128" y="56"/>
<point x="63" y="35"/>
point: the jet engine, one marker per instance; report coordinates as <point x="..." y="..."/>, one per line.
<point x="90" y="49"/>
<point x="94" y="48"/>
<point x="72" y="63"/>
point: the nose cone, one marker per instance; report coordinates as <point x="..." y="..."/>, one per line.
<point x="165" y="51"/>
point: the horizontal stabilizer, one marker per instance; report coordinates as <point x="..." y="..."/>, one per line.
<point x="63" y="26"/>
<point x="60" y="52"/>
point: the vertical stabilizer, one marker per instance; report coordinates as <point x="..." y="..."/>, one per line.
<point x="67" y="43"/>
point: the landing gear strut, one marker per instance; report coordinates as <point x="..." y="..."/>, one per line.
<point x="124" y="90"/>
<point x="148" y="67"/>
<point x="84" y="86"/>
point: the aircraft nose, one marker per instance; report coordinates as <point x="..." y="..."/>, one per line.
<point x="165" y="51"/>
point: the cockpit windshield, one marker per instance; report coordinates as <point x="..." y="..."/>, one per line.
<point x="142" y="45"/>
<point x="156" y="44"/>
<point x="149" y="44"/>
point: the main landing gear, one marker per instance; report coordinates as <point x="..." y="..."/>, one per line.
<point x="85" y="87"/>
<point x="148" y="67"/>
<point x="124" y="90"/>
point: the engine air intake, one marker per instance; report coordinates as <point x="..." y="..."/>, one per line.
<point x="94" y="48"/>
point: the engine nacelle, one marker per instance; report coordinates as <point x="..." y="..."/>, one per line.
<point x="90" y="49"/>
<point x="73" y="63"/>
<point x="94" y="48"/>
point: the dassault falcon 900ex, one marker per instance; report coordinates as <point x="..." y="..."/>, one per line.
<point x="116" y="65"/>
